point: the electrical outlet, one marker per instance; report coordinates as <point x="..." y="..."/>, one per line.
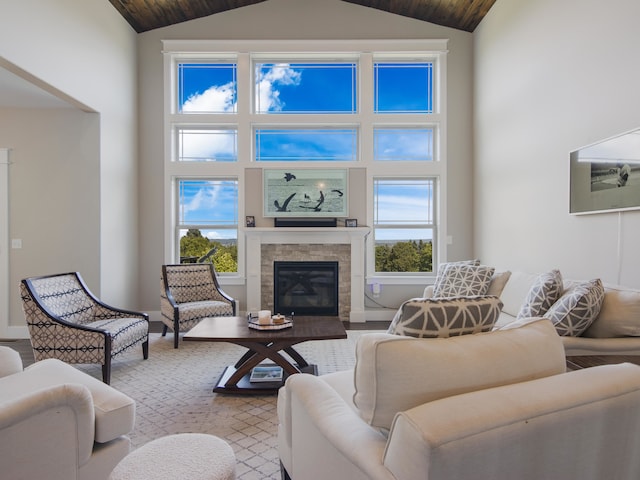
<point x="376" y="288"/>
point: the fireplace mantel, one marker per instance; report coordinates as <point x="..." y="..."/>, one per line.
<point x="256" y="237"/>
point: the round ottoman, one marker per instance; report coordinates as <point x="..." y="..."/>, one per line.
<point x="193" y="456"/>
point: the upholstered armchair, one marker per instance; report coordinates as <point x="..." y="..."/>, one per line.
<point x="66" y="321"/>
<point x="188" y="293"/>
<point x="59" y="423"/>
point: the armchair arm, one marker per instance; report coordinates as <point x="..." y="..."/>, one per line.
<point x="47" y="433"/>
<point x="581" y="424"/>
<point x="10" y="361"/>
<point x="329" y="439"/>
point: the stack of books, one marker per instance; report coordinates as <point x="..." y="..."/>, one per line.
<point x="266" y="373"/>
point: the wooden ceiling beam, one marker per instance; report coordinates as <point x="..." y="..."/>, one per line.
<point x="145" y="15"/>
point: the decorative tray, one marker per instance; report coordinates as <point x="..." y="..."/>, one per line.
<point x="271" y="326"/>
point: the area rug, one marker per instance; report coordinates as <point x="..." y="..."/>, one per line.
<point x="173" y="393"/>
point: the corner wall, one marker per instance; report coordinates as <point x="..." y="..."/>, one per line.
<point x="551" y="77"/>
<point x="84" y="52"/>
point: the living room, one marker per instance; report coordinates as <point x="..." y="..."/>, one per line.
<point x="496" y="101"/>
<point x="533" y="82"/>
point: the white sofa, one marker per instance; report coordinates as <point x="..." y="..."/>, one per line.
<point x="616" y="330"/>
<point x="485" y="406"/>
<point x="58" y="423"/>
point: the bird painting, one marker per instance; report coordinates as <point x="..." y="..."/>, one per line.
<point x="283" y="207"/>
<point x="289" y="176"/>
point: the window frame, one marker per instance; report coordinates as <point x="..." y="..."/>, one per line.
<point x="366" y="52"/>
<point x="431" y="226"/>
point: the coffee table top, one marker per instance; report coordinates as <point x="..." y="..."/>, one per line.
<point x="229" y="329"/>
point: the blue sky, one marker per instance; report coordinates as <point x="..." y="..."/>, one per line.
<point x="295" y="88"/>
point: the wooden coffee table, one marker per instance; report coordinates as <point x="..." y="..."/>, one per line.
<point x="262" y="345"/>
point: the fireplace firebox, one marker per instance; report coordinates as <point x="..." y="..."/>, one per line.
<point x="305" y="288"/>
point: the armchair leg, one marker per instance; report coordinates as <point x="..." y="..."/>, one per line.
<point x="106" y="372"/>
<point x="176" y="338"/>
<point x="145" y="350"/>
<point x="283" y="473"/>
<point x="164" y="330"/>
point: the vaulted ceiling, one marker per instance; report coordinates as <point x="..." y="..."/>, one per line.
<point x="144" y="15"/>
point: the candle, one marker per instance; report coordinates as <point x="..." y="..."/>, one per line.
<point x="264" y="317"/>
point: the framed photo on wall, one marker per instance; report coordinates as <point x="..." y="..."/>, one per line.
<point x="605" y="176"/>
<point x="305" y="192"/>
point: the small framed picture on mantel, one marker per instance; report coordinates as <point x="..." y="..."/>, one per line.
<point x="351" y="222"/>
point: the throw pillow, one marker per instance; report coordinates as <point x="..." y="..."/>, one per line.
<point x="498" y="281"/>
<point x="544" y="292"/>
<point x="463" y="281"/>
<point x="443" y="268"/>
<point x="578" y="307"/>
<point x="446" y="317"/>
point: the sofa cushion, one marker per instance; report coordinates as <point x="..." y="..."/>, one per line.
<point x="463" y="280"/>
<point x="394" y="373"/>
<point x="515" y="291"/>
<point x="619" y="315"/>
<point x="577" y="308"/>
<point x="544" y="292"/>
<point x="445" y="317"/>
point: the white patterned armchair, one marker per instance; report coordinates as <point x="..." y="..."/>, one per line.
<point x="58" y="423"/>
<point x="66" y="321"/>
<point x="188" y="293"/>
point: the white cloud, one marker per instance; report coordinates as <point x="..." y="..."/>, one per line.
<point x="267" y="95"/>
<point x="208" y="144"/>
<point x="214" y="99"/>
<point x="204" y="199"/>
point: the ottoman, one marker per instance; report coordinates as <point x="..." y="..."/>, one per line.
<point x="193" y="456"/>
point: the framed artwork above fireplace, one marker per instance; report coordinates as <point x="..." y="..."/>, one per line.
<point x="305" y="192"/>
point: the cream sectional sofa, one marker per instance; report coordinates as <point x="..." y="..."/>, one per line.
<point x="615" y="331"/>
<point x="485" y="406"/>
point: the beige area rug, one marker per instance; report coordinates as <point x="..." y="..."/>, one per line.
<point x="173" y="393"/>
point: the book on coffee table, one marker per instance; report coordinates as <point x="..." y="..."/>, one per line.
<point x="266" y="373"/>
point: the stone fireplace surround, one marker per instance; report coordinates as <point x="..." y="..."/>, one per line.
<point x="341" y="244"/>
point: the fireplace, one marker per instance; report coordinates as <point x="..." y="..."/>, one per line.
<point x="305" y="288"/>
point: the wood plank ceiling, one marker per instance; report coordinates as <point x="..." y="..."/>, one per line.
<point x="144" y="15"/>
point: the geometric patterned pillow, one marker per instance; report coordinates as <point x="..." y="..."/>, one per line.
<point x="544" y="292"/>
<point x="463" y="281"/>
<point x="443" y="268"/>
<point x="446" y="317"/>
<point x="578" y="307"/>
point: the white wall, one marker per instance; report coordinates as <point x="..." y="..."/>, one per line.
<point x="299" y="19"/>
<point x="86" y="52"/>
<point x="551" y="77"/>
<point x="53" y="185"/>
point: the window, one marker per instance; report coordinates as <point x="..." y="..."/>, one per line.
<point x="306" y="144"/>
<point x="371" y="107"/>
<point x="207" y="225"/>
<point x="415" y="94"/>
<point x="404" y="224"/>
<point x="306" y="88"/>
<point x="206" y="88"/>
<point x="401" y="143"/>
<point x="207" y="144"/>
